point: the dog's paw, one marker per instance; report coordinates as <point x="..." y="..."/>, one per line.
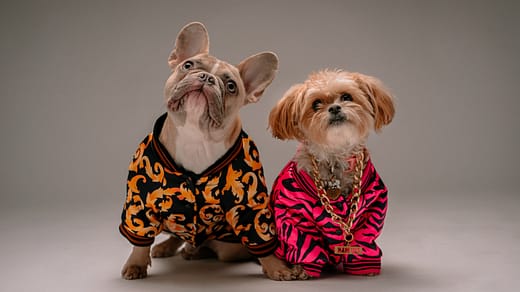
<point x="276" y="269"/>
<point x="299" y="273"/>
<point x="167" y="248"/>
<point x="189" y="252"/>
<point x="370" y="275"/>
<point x="133" y="272"/>
<point x="287" y="274"/>
<point x="137" y="263"/>
<point x="158" y="252"/>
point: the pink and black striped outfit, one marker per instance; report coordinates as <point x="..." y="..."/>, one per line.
<point x="307" y="233"/>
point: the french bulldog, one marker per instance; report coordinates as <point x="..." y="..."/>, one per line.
<point x="198" y="176"/>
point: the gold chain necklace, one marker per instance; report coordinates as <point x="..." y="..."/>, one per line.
<point x="356" y="193"/>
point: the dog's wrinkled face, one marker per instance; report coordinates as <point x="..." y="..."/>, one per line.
<point x="332" y="109"/>
<point x="207" y="92"/>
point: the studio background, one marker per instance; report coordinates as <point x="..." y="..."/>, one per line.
<point x="81" y="83"/>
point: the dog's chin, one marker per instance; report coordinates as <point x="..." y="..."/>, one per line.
<point x="195" y="107"/>
<point x="337" y="121"/>
<point x="339" y="137"/>
<point x="343" y="136"/>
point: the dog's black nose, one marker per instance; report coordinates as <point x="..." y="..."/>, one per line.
<point x="334" y="109"/>
<point x="204" y="77"/>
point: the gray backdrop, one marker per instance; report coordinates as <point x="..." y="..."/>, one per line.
<point x="81" y="83"/>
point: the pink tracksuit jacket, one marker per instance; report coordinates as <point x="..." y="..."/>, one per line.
<point x="307" y="233"/>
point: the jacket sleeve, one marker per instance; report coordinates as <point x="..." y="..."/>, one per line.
<point x="248" y="208"/>
<point x="140" y="222"/>
<point x="300" y="241"/>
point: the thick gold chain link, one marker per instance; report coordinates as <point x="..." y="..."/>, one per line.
<point x="346" y="226"/>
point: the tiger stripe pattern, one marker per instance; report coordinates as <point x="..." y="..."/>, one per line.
<point x="307" y="233"/>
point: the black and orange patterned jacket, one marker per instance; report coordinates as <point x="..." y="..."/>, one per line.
<point x="227" y="202"/>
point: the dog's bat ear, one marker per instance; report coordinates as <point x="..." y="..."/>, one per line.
<point x="381" y="100"/>
<point x="257" y="72"/>
<point x="192" y="40"/>
<point x="285" y="115"/>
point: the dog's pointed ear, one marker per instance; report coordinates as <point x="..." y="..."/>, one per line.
<point x="192" y="40"/>
<point x="285" y="115"/>
<point x="381" y="100"/>
<point x="257" y="72"/>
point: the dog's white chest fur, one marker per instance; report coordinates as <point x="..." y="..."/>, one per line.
<point x="194" y="150"/>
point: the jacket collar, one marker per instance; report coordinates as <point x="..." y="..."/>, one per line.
<point x="171" y="165"/>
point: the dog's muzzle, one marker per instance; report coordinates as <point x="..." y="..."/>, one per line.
<point x="336" y="116"/>
<point x="206" y="78"/>
<point x="204" y="83"/>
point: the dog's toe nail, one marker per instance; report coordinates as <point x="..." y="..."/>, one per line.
<point x="134" y="272"/>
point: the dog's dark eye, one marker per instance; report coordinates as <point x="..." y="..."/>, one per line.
<point x="187" y="65"/>
<point x="316" y="104"/>
<point x="346" y="97"/>
<point x="231" y="86"/>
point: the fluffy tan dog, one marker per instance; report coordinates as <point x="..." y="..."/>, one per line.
<point x="329" y="202"/>
<point x="198" y="175"/>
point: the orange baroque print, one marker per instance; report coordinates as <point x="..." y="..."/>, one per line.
<point x="185" y="193"/>
<point x="137" y="161"/>
<point x="255" y="199"/>
<point x="252" y="160"/>
<point x="138" y="225"/>
<point x="233" y="217"/>
<point x="229" y="201"/>
<point x="233" y="183"/>
<point x="252" y="181"/>
<point x="157" y="173"/>
<point x="161" y="199"/>
<point x="211" y="191"/>
<point x="172" y="223"/>
<point x="132" y="184"/>
<point x="210" y="215"/>
<point x="264" y="224"/>
<point x="184" y="232"/>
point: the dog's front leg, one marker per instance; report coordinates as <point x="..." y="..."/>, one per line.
<point x="137" y="263"/>
<point x="276" y="269"/>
